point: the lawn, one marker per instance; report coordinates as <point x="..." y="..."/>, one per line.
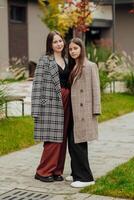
<point x="120" y="181"/>
<point x="114" y="105"/>
<point x="17" y="132"/>
<point x="117" y="183"/>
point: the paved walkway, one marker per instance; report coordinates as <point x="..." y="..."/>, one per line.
<point x="115" y="146"/>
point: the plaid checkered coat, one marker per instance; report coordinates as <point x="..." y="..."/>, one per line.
<point x="47" y="107"/>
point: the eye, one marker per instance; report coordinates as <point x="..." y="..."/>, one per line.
<point x="55" y="42"/>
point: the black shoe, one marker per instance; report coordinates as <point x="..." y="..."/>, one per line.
<point x="58" y="178"/>
<point x="44" y="178"/>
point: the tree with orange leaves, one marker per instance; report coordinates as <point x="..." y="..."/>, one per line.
<point x="62" y="15"/>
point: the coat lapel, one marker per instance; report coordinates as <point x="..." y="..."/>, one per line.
<point x="55" y="75"/>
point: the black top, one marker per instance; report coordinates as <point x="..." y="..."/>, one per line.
<point x="63" y="76"/>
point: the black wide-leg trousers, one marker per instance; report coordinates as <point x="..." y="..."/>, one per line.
<point x="79" y="160"/>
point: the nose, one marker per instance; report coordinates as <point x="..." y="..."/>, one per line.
<point x="59" y="42"/>
<point x="72" y="51"/>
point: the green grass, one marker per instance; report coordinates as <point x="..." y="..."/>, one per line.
<point x="114" y="105"/>
<point x="120" y="181"/>
<point x="15" y="133"/>
<point x="117" y="183"/>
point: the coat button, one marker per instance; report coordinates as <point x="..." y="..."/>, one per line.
<point x="82" y="119"/>
<point x="81" y="90"/>
<point x="81" y="104"/>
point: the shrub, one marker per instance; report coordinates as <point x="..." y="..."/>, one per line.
<point x="104" y="80"/>
<point x="129" y="81"/>
<point x="100" y="56"/>
<point x="97" y="53"/>
<point x="112" y="66"/>
<point x="18" y="68"/>
<point x="2" y="98"/>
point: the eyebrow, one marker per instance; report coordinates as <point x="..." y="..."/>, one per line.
<point x="56" y="40"/>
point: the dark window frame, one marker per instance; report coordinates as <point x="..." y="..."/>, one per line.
<point x="13" y="18"/>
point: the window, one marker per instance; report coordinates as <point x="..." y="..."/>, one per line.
<point x="17" y="14"/>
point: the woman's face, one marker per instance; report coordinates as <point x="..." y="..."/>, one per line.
<point x="74" y="50"/>
<point x="57" y="44"/>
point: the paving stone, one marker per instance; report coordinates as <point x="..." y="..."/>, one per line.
<point x="115" y="146"/>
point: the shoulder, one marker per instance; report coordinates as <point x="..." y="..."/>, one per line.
<point x="89" y="65"/>
<point x="44" y="59"/>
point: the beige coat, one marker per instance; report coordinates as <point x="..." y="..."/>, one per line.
<point x="85" y="97"/>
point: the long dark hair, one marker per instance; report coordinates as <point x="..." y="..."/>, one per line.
<point x="50" y="37"/>
<point x="76" y="72"/>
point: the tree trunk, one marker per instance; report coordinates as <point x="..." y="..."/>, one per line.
<point x="79" y="34"/>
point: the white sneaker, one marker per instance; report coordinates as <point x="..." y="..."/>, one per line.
<point x="69" y="178"/>
<point x="79" y="184"/>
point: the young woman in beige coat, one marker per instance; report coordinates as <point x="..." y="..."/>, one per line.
<point x="85" y="98"/>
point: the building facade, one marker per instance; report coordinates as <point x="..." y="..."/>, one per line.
<point x="23" y="34"/>
<point x="121" y="32"/>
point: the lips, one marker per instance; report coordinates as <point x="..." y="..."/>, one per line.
<point x="74" y="55"/>
<point x="59" y="48"/>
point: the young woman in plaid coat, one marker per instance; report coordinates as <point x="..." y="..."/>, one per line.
<point x="85" y="99"/>
<point x="51" y="108"/>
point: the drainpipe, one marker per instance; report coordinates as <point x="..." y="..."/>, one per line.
<point x="113" y="28"/>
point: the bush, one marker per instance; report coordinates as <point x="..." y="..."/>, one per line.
<point x="98" y="54"/>
<point x="2" y="98"/>
<point x="18" y="68"/>
<point x="129" y="81"/>
<point x="104" y="80"/>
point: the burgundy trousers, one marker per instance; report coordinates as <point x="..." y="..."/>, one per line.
<point x="53" y="155"/>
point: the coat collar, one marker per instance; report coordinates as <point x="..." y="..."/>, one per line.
<point x="51" y="57"/>
<point x="55" y="74"/>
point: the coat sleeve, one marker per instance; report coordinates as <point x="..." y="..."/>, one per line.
<point x="96" y="90"/>
<point x="37" y="87"/>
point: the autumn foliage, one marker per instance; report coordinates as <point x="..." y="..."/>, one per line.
<point x="62" y="15"/>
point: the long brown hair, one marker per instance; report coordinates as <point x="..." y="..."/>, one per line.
<point x="76" y="72"/>
<point x="50" y="37"/>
